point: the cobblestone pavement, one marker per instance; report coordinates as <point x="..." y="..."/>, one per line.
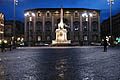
<point x="73" y="63"/>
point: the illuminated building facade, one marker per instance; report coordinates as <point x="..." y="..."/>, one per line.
<point x="83" y="25"/>
<point x="1" y="26"/>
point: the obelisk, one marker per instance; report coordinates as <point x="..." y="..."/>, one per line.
<point x="61" y="24"/>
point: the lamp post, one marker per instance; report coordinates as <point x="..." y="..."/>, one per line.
<point x="29" y="15"/>
<point x="86" y="16"/>
<point x="14" y="25"/>
<point x="110" y="3"/>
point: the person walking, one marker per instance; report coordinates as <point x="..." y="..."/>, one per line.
<point x="105" y="45"/>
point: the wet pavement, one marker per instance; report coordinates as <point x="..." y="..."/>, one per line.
<point x="78" y="63"/>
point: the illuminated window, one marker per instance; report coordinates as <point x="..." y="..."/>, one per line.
<point x="85" y="38"/>
<point x="39" y="38"/>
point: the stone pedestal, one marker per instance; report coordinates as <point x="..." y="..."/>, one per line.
<point x="61" y="37"/>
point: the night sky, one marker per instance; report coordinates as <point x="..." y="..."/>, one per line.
<point x="6" y="6"/>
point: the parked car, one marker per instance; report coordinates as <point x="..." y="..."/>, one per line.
<point x="95" y="44"/>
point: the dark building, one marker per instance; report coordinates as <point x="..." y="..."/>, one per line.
<point x="19" y="30"/>
<point x="105" y="27"/>
<point x="83" y="25"/>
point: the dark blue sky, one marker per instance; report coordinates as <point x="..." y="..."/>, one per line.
<point x="6" y="6"/>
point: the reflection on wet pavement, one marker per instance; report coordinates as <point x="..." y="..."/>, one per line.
<point x="60" y="64"/>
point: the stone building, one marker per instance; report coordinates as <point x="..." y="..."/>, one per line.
<point x="105" y="27"/>
<point x="1" y="26"/>
<point x="83" y="25"/>
<point x="8" y="35"/>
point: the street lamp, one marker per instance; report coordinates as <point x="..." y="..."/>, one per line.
<point x="14" y="25"/>
<point x="110" y="3"/>
<point x="30" y="15"/>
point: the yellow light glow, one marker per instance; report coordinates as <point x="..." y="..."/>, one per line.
<point x="39" y="38"/>
<point x="22" y="39"/>
<point x="5" y="41"/>
<point x="57" y="12"/>
<point x="12" y="38"/>
<point x="0" y="41"/>
<point x="18" y="39"/>
<point x="90" y="14"/>
<point x="1" y="32"/>
<point x="67" y="12"/>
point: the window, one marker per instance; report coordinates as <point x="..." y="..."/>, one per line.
<point x="39" y="38"/>
<point x="39" y="26"/>
<point x="95" y="37"/>
<point x="48" y="38"/>
<point x="48" y="14"/>
<point x="94" y="26"/>
<point x="85" y="38"/>
<point x="85" y="26"/>
<point x="76" y="15"/>
<point x="76" y="25"/>
<point x="48" y="26"/>
<point x="39" y="14"/>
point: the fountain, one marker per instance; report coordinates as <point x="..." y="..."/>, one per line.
<point x="61" y="33"/>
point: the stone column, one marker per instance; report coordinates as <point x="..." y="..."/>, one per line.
<point x="34" y="26"/>
<point x="71" y="22"/>
<point x="99" y="28"/>
<point x="43" y="34"/>
<point x="52" y="23"/>
<point x="53" y="26"/>
<point x="43" y="23"/>
<point x="71" y="34"/>
<point x="90" y="31"/>
<point x="90" y="22"/>
<point x="81" y="33"/>
<point x="25" y="29"/>
<point x="80" y="23"/>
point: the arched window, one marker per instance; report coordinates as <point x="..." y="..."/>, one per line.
<point x="48" y="26"/>
<point x="85" y="26"/>
<point x="39" y="14"/>
<point x="48" y="14"/>
<point x="94" y="26"/>
<point x="76" y="25"/>
<point x="39" y="26"/>
<point x="76" y="14"/>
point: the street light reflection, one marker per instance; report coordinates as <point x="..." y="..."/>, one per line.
<point x="61" y="67"/>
